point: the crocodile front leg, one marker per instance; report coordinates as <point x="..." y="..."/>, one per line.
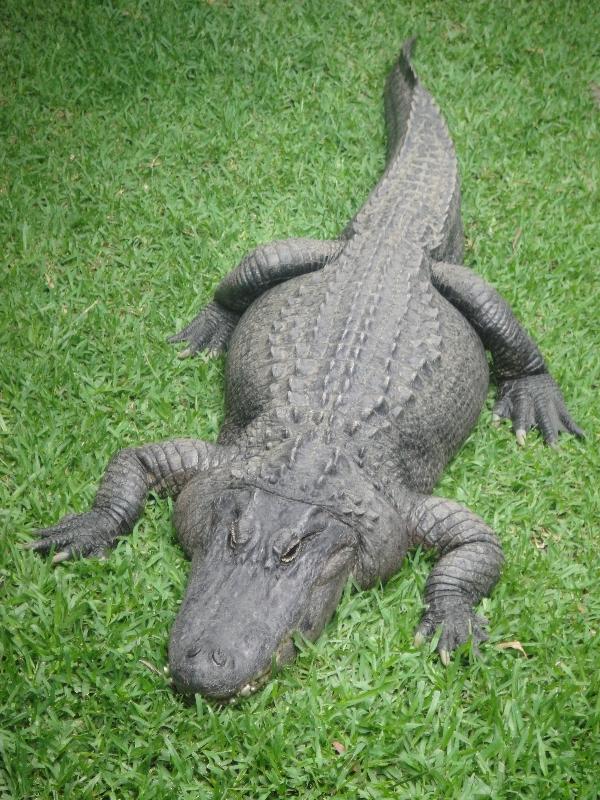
<point x="261" y="269"/>
<point x="131" y="475"/>
<point x="467" y="570"/>
<point x="470" y="558"/>
<point x="528" y="395"/>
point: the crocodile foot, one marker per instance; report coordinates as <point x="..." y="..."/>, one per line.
<point x="210" y="330"/>
<point x="534" y="401"/>
<point x="76" y="536"/>
<point x="459" y="624"/>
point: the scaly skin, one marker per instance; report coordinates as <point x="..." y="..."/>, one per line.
<point x="356" y="370"/>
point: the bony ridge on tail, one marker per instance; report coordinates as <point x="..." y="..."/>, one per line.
<point x="356" y="369"/>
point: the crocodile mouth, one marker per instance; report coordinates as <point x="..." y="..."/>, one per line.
<point x="252" y="686"/>
<point x="283" y="655"/>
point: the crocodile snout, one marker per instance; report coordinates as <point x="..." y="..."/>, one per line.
<point x="206" y="669"/>
<point x="217" y="669"/>
<point x="277" y="568"/>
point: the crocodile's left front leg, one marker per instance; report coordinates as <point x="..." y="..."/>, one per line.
<point x="468" y="568"/>
<point x="131" y="475"/>
<point x="470" y="559"/>
<point x="263" y="268"/>
<point x="528" y="395"/>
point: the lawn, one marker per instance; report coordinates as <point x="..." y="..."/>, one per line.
<point x="145" y="147"/>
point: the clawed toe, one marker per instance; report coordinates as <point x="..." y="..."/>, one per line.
<point x="534" y="401"/>
<point x="64" y="555"/>
<point x="457" y="626"/>
<point x="88" y="535"/>
<point x="185" y="353"/>
<point x="209" y="331"/>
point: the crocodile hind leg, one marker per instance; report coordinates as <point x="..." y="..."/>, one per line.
<point x="527" y="393"/>
<point x="261" y="269"/>
<point x="131" y="475"/>
<point x="470" y="560"/>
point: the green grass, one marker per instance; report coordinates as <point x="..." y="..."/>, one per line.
<point x="145" y="147"/>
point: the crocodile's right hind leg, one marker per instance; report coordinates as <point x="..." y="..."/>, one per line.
<point x="261" y="269"/>
<point x="468" y="568"/>
<point x="527" y="393"/>
<point x="131" y="475"/>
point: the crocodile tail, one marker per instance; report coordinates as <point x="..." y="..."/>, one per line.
<point x="418" y="195"/>
<point x="399" y="92"/>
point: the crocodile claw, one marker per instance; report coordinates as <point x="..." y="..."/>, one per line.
<point x="458" y="624"/>
<point x="210" y="331"/>
<point x="77" y="535"/>
<point x="64" y="555"/>
<point x="534" y="401"/>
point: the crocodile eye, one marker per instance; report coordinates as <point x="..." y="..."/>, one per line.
<point x="291" y="553"/>
<point x="233" y="533"/>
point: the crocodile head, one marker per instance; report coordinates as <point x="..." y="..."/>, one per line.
<point x="266" y="567"/>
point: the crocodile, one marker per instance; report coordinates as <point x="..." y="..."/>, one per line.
<point x="356" y="369"/>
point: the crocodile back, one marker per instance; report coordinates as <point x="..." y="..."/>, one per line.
<point x="364" y="352"/>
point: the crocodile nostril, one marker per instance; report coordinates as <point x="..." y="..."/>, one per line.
<point x="219" y="657"/>
<point x="193" y="651"/>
